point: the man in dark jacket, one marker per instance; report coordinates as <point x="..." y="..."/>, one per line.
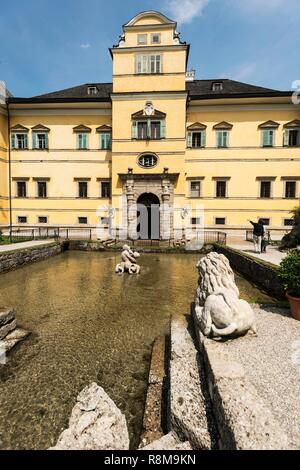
<point x="258" y="233"/>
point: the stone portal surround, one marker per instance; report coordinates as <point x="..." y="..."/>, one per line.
<point x="163" y="188"/>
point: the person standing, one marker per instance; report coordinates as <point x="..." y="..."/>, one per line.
<point x="264" y="239"/>
<point x="258" y="231"/>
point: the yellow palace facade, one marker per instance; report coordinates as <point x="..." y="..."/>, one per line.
<point x="155" y="135"/>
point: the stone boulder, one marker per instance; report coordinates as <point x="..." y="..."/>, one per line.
<point x="95" y="424"/>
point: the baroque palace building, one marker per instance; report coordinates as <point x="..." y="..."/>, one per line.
<point x="155" y="135"/>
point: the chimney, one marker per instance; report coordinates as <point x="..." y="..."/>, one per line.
<point x="190" y="75"/>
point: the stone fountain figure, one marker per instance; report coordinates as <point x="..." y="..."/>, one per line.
<point x="128" y="261"/>
<point x="219" y="311"/>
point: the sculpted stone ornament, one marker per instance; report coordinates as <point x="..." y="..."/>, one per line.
<point x="128" y="261"/>
<point x="218" y="309"/>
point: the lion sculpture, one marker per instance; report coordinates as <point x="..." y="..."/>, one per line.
<point x="128" y="261"/>
<point x="218" y="309"/>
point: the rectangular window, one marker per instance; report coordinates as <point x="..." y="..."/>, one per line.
<point x="82" y="189"/>
<point x="82" y="220"/>
<point x="265" y="189"/>
<point x="292" y="138"/>
<point x="22" y="219"/>
<point x="142" y="39"/>
<point x="105" y="189"/>
<point x="288" y="222"/>
<point x="104" y="220"/>
<point x="142" y="130"/>
<point x="92" y="90"/>
<point x="221" y="188"/>
<point x="268" y="137"/>
<point x="222" y="139"/>
<point x="197" y="140"/>
<point x="195" y="221"/>
<point x="42" y="189"/>
<point x="19" y="141"/>
<point x="265" y="221"/>
<point x="290" y="190"/>
<point x="155" y="130"/>
<point x="82" y="141"/>
<point x="42" y="220"/>
<point x="195" y="189"/>
<point x="40" y="140"/>
<point x="105" y="141"/>
<point x="220" y="221"/>
<point x="21" y="189"/>
<point x="155" y="38"/>
<point x="148" y="64"/>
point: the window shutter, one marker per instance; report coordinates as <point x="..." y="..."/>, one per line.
<point x="298" y="137"/>
<point x="265" y="138"/>
<point x="203" y="139"/>
<point x="26" y="141"/>
<point x="34" y="146"/>
<point x="46" y="141"/>
<point x="163" y="129"/>
<point x="189" y="139"/>
<point x="13" y="141"/>
<point x="78" y="141"/>
<point x="134" y="130"/>
<point x="286" y="138"/>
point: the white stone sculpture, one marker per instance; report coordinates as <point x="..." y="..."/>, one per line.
<point x="128" y="261"/>
<point x="218" y="309"/>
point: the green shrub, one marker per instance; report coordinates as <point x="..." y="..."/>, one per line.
<point x="289" y="273"/>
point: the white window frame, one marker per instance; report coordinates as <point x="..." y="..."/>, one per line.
<point x="92" y="90"/>
<point x="191" y="191"/>
<point x="217" y="86"/>
<point x="287" y="137"/>
<point x="271" y="188"/>
<point x="15" y="142"/>
<point x="79" y="138"/>
<point x="140" y="42"/>
<point x="105" y="140"/>
<point x="35" y="140"/>
<point x="144" y="64"/>
<point x="197" y="224"/>
<point x="159" y="38"/>
<point x="296" y="189"/>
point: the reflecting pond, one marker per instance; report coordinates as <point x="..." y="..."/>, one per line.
<point x="88" y="324"/>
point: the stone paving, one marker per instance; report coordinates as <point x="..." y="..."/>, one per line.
<point x="273" y="255"/>
<point x="272" y="363"/>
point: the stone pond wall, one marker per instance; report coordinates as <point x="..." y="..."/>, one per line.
<point x="14" y="259"/>
<point x="262" y="274"/>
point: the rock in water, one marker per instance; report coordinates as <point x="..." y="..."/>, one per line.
<point x="96" y="423"/>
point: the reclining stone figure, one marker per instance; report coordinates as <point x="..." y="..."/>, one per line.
<point x="218" y="309"/>
<point x="128" y="261"/>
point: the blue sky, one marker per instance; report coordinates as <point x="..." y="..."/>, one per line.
<point x="47" y="45"/>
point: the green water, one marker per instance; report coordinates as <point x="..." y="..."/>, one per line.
<point x="88" y="324"/>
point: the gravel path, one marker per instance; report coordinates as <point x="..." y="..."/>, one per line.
<point x="19" y="246"/>
<point x="272" y="363"/>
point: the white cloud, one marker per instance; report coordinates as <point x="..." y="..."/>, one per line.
<point x="85" y="46"/>
<point x="184" y="11"/>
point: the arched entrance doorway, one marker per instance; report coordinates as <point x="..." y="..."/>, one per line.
<point x="148" y="217"/>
